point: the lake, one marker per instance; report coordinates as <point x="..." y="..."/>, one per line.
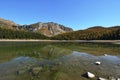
<point x="58" y="61"/>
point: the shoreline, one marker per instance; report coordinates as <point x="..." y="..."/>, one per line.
<point x="38" y="40"/>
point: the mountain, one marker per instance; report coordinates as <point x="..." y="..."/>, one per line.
<point x="48" y="29"/>
<point x="7" y="24"/>
<point x="55" y="31"/>
<point x="96" y="27"/>
<point x="93" y="33"/>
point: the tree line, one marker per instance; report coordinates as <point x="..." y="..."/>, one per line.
<point x="88" y="34"/>
<point x="17" y="34"/>
<point x="91" y="34"/>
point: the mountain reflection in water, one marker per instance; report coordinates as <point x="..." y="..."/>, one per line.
<point x="58" y="61"/>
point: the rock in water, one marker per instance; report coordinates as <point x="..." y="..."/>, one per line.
<point x="20" y="72"/>
<point x="112" y="78"/>
<point x="90" y="75"/>
<point x="100" y="78"/>
<point x="105" y="55"/>
<point x="36" y="70"/>
<point x="118" y="78"/>
<point x="97" y="62"/>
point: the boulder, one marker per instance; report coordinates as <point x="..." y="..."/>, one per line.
<point x="90" y="75"/>
<point x="97" y="62"/>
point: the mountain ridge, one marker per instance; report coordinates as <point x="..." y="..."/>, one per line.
<point x="7" y="24"/>
<point x="48" y="29"/>
<point x="57" y="31"/>
<point x="94" y="33"/>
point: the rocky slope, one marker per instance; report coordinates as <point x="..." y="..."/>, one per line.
<point x="7" y="24"/>
<point x="48" y="29"/>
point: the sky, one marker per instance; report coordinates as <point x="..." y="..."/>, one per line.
<point x="77" y="14"/>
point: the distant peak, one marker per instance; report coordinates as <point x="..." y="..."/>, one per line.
<point x="97" y="27"/>
<point x="115" y="27"/>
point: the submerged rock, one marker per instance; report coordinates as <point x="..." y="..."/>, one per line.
<point x="20" y="72"/>
<point x="36" y="70"/>
<point x="112" y="78"/>
<point x="118" y="64"/>
<point x="100" y="78"/>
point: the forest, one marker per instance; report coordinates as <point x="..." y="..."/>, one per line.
<point x="94" y="33"/>
<point x="17" y="34"/>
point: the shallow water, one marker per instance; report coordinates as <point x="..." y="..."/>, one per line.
<point x="58" y="61"/>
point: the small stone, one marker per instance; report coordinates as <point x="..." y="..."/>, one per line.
<point x="112" y="78"/>
<point x="90" y="75"/>
<point x="20" y="72"/>
<point x="58" y="63"/>
<point x="100" y="78"/>
<point x="36" y="70"/>
<point x="105" y="55"/>
<point x="97" y="62"/>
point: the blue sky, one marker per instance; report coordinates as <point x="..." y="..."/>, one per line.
<point x="77" y="14"/>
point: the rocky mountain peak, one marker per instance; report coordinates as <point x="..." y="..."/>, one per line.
<point x="48" y="29"/>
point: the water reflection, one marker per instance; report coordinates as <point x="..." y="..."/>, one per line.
<point x="58" y="61"/>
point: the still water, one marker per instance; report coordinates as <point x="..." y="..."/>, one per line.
<point x="58" y="61"/>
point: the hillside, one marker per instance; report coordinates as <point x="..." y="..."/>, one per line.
<point x="55" y="31"/>
<point x="16" y="34"/>
<point x="93" y="33"/>
<point x="48" y="29"/>
<point x="7" y="24"/>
